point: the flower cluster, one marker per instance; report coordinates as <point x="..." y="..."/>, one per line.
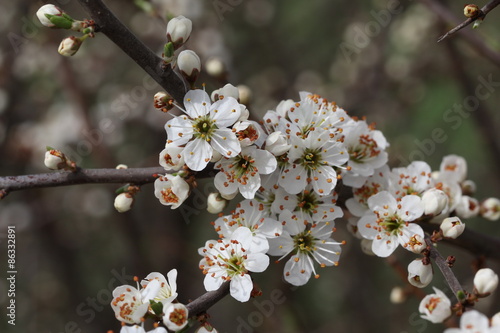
<point x="155" y="298"/>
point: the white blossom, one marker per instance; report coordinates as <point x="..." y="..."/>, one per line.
<point x="473" y="321"/>
<point x="204" y="129"/>
<point x="434" y="201"/>
<point x="388" y="223"/>
<point x="490" y="209"/>
<point x="467" y="207"/>
<point x="215" y="203"/>
<point x="157" y="288"/>
<point x="128" y="305"/>
<point x="69" y="46"/>
<point x="435" y="307"/>
<point x="452" y="227"/>
<point x="175" y="316"/>
<point x="419" y="275"/>
<point x="171" y="190"/>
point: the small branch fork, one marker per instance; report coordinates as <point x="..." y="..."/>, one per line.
<point x="445" y="269"/>
<point x="485" y="10"/>
<point x="108" y="24"/>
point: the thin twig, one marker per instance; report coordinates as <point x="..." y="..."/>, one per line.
<point x="472" y="38"/>
<point x="485" y="10"/>
<point x="448" y="274"/>
<point x="119" y="34"/>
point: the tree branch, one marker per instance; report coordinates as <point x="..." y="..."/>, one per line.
<point x="485" y="10"/>
<point x="108" y="24"/>
<point x="205" y="301"/>
<point x="137" y="176"/>
<point x="448" y="274"/>
<point x="477" y="243"/>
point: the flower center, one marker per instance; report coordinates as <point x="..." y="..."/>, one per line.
<point x="204" y="127"/>
<point x="311" y="159"/>
<point x="304" y="242"/>
<point x="391" y="224"/>
<point x="366" y="149"/>
<point x="234" y="266"/>
<point x="169" y="196"/>
<point x="307" y="202"/>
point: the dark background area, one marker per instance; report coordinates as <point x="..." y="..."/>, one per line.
<point x="97" y="107"/>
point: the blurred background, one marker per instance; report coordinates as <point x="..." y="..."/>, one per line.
<point x="375" y="58"/>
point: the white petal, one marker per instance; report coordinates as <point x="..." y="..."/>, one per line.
<point x="293" y="179"/>
<point x="225" y="112"/>
<point x="385" y="245"/>
<point x="197" y="103"/>
<point x="257" y="262"/>
<point x="241" y="287"/>
<point x="226" y="142"/>
<point x="197" y="154"/>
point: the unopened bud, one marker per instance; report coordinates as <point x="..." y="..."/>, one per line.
<point x="467" y="207"/>
<point x="69" y="46"/>
<point x="189" y="64"/>
<point x="56" y="160"/>
<point x="452" y="227"/>
<point x="178" y="30"/>
<point x="419" y="275"/>
<point x="54" y="17"/>
<point x="490" y="209"/>
<point x="485" y="281"/>
<point x="123" y="202"/>
<point x="366" y="246"/>
<point x="215" y="203"/>
<point x="215" y="67"/>
<point x="468" y="187"/>
<point x="434" y="201"/>
<point x="121" y="167"/>
<point x="163" y="101"/>
<point x="471" y="10"/>
<point x="277" y="144"/>
<point x="227" y="91"/>
<point x="168" y="52"/>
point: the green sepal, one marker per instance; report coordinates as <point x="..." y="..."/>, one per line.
<point x="60" y="21"/>
<point x="169" y="50"/>
<point x="49" y="148"/>
<point x="461" y="295"/>
<point x="122" y="189"/>
<point x="157" y="307"/>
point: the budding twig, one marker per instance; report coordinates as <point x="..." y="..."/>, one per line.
<point x="108" y="24"/>
<point x="485" y="10"/>
<point x="445" y="269"/>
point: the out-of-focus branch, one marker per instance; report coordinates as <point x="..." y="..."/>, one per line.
<point x="476" y="243"/>
<point x="485" y="10"/>
<point x="472" y="38"/>
<point x="448" y="274"/>
<point x="205" y="301"/>
<point x="108" y="24"/>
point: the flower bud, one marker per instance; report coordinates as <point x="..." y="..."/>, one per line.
<point x="215" y="67"/>
<point x="398" y="295"/>
<point x="163" y="101"/>
<point x="434" y="201"/>
<point x="215" y="203"/>
<point x="123" y="202"/>
<point x="419" y="275"/>
<point x="490" y="209"/>
<point x="485" y="281"/>
<point x="467" y="207"/>
<point x="452" y="227"/>
<point x="435" y="307"/>
<point x="189" y="64"/>
<point x="468" y="187"/>
<point x="54" y="159"/>
<point x="121" y="167"/>
<point x="455" y="167"/>
<point x="471" y="10"/>
<point x="277" y="144"/>
<point x="416" y="244"/>
<point x="175" y="316"/>
<point x="227" y="91"/>
<point x="207" y="328"/>
<point x="178" y="30"/>
<point x="69" y="46"/>
<point x="54" y="17"/>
